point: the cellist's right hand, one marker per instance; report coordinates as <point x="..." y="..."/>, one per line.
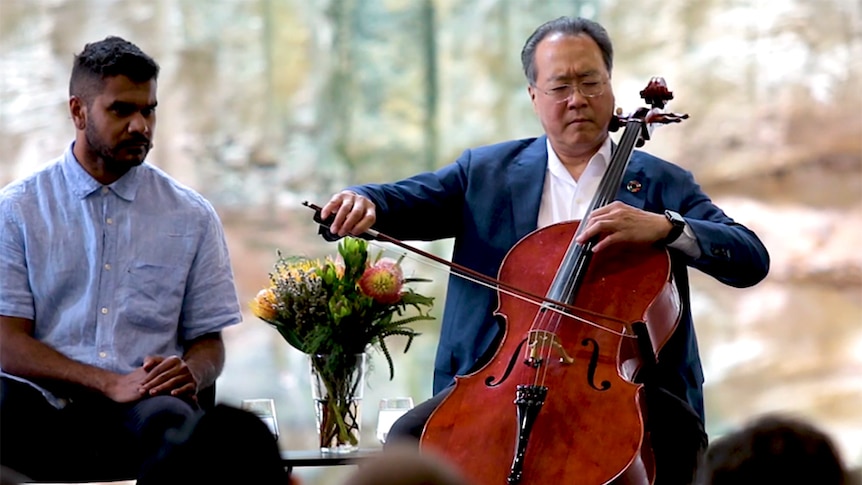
<point x="354" y="214"/>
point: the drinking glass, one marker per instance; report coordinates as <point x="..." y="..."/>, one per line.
<point x="263" y="409"/>
<point x="390" y="410"/>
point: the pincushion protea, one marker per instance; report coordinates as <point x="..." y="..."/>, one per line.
<point x="382" y="281"/>
<point x="263" y="305"/>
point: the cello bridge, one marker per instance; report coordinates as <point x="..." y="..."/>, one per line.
<point x="543" y="342"/>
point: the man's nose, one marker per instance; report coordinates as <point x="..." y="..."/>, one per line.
<point x="139" y="124"/>
<point x="576" y="98"/>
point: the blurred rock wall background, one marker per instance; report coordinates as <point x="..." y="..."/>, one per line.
<point x="266" y="103"/>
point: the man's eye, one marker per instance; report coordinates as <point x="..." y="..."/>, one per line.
<point x="147" y="112"/>
<point x="590" y="84"/>
<point x="122" y="111"/>
<point x="560" y="89"/>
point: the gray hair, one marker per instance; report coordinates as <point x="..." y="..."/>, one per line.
<point x="567" y="26"/>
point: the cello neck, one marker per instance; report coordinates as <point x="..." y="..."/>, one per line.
<point x="613" y="177"/>
<point x="577" y="257"/>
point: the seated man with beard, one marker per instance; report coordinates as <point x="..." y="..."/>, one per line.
<point x="116" y="284"/>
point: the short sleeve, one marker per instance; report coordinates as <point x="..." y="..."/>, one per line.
<point x="16" y="299"/>
<point x="210" y="303"/>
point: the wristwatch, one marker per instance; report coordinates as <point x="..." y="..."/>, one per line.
<point x="678" y="225"/>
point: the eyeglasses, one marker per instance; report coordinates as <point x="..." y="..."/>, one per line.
<point x="589" y="88"/>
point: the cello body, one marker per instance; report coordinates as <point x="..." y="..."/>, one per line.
<point x="590" y="428"/>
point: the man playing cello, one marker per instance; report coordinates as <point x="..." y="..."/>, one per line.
<point x="493" y="196"/>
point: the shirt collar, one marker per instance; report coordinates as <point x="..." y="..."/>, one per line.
<point x="83" y="184"/>
<point x="599" y="161"/>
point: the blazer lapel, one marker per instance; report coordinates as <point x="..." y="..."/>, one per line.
<point x="526" y="179"/>
<point x="635" y="184"/>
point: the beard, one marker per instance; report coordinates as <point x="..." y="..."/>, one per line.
<point x="119" y="158"/>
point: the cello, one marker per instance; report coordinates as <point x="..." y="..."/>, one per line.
<point x="558" y="402"/>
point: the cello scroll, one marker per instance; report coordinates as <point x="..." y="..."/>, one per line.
<point x="656" y="94"/>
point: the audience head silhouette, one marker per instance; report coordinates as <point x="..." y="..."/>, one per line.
<point x="773" y="449"/>
<point x="235" y="445"/>
<point x="405" y="465"/>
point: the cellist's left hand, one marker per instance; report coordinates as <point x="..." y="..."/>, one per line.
<point x="621" y="223"/>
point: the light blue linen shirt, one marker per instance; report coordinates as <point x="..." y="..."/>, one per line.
<point x="112" y="274"/>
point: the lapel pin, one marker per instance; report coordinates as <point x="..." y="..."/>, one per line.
<point x="634" y="186"/>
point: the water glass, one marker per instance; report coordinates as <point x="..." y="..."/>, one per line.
<point x="390" y="410"/>
<point x="263" y="409"/>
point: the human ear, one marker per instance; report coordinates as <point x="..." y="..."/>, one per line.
<point x="78" y="110"/>
<point x="531" y="90"/>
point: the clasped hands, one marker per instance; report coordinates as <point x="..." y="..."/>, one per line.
<point x="157" y="376"/>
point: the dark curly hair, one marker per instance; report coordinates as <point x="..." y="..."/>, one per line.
<point x="106" y="58"/>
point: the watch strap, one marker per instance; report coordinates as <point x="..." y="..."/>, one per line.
<point x="678" y="225"/>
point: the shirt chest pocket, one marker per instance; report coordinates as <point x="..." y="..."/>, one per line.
<point x="153" y="283"/>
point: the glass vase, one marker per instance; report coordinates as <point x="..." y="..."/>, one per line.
<point x="337" y="386"/>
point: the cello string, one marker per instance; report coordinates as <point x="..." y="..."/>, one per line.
<point x="555" y="318"/>
<point x="571" y="272"/>
<point x="544" y="350"/>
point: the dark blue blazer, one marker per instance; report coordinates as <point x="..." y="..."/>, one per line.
<point x="488" y="200"/>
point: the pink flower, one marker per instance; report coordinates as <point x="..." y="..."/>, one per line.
<point x="383" y="281"/>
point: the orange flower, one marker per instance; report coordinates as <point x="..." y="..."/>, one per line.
<point x="383" y="281"/>
<point x="263" y="305"/>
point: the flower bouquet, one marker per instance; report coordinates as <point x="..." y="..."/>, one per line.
<point x="333" y="311"/>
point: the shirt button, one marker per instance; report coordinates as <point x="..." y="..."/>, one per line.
<point x="107" y="266"/>
<point x="103" y="354"/>
<point x="104" y="311"/>
<point x="104" y="190"/>
<point x="109" y="220"/>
